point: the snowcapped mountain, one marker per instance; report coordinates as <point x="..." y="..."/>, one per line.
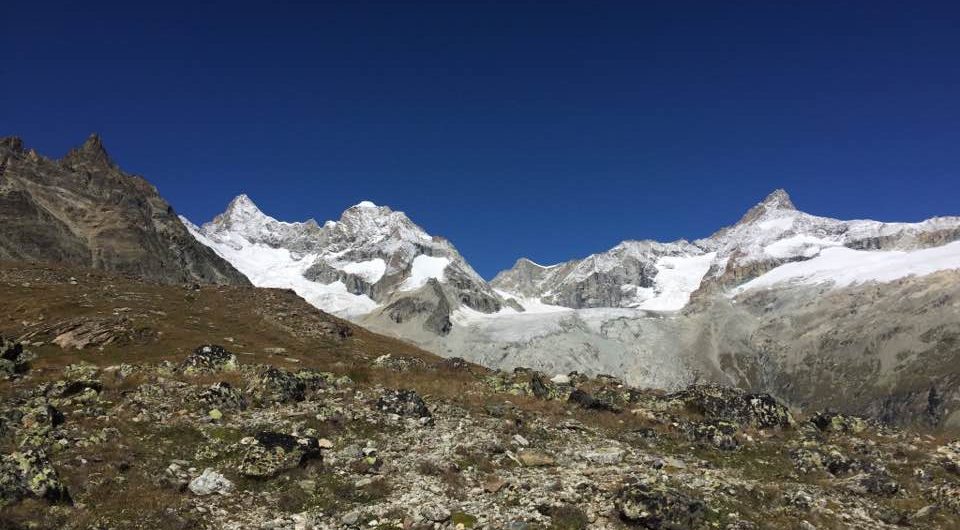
<point x="765" y="304"/>
<point x="663" y="276"/>
<point x="371" y="259"/>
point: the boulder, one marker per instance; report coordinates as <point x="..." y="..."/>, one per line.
<point x="278" y="386"/>
<point x="831" y="421"/>
<point x="221" y="396"/>
<point x="28" y="473"/>
<point x="268" y="454"/>
<point x="209" y="358"/>
<point x="716" y="402"/>
<point x="210" y="482"/>
<point x="586" y="401"/>
<point x="657" y="507"/>
<point x="404" y="403"/>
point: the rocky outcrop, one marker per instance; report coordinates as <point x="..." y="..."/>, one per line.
<point x="83" y="210"/>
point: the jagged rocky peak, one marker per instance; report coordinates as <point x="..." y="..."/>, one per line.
<point x="83" y="210"/>
<point x="12" y="143"/>
<point x="91" y="152"/>
<point x="779" y="200"/>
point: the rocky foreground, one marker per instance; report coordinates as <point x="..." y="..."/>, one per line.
<point x="212" y="440"/>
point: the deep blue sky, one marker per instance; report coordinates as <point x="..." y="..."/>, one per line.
<point x="545" y="129"/>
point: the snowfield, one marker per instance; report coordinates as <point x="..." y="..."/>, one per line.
<point x="842" y="267"/>
<point x="266" y="266"/>
<point x="371" y="271"/>
<point x="424" y="268"/>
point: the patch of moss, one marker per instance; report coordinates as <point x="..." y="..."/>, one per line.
<point x="467" y="520"/>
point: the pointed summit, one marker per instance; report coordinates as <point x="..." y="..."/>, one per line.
<point x="240" y="210"/>
<point x="778" y="200"/>
<point x="92" y="152"/>
<point x="242" y="202"/>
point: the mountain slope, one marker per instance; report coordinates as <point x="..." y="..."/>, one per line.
<point x="83" y="210"/>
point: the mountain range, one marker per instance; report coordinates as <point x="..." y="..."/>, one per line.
<point x="820" y="311"/>
<point x="859" y="315"/>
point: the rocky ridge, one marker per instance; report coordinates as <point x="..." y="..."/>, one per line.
<point x="83" y="210"/>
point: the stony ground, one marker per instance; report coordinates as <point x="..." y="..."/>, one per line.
<point x="302" y="421"/>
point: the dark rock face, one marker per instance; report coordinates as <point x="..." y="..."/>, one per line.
<point x="658" y="507"/>
<point x="83" y="210"/>
<point x="432" y="303"/>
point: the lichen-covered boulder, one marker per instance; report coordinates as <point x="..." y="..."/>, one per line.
<point x="830" y="421"/>
<point x="404" y="403"/>
<point x="949" y="456"/>
<point x="268" y="454"/>
<point x="274" y="385"/>
<point x="209" y="358"/>
<point x="221" y="396"/>
<point x="37" y="420"/>
<point x="828" y="458"/>
<point x="14" y="359"/>
<point x="718" y="433"/>
<point x="586" y="401"/>
<point x="659" y="507"/>
<point x="28" y="473"/>
<point x="716" y="402"/>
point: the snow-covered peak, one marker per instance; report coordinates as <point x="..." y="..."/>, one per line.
<point x="372" y="252"/>
<point x="242" y="208"/>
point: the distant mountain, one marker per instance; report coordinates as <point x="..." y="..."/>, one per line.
<point x="662" y="276"/>
<point x="83" y="210"/>
<point x="372" y="260"/>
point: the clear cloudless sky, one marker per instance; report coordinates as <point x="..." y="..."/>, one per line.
<point x="545" y="129"/>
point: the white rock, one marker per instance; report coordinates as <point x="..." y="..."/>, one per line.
<point x="561" y="379"/>
<point x="210" y="482"/>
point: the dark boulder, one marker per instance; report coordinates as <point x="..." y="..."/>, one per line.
<point x="404" y="403"/>
<point x="268" y="454"/>
<point x="209" y="358"/>
<point x="659" y="507"/>
<point x="586" y="401"/>
<point x="278" y="386"/>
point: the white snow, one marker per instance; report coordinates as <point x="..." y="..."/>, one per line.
<point x="777" y="224"/>
<point x="371" y="271"/>
<point x="843" y="267"/>
<point x="266" y="266"/>
<point x="365" y="204"/>
<point x="677" y="277"/>
<point x="799" y="245"/>
<point x="424" y="267"/>
<point x="530" y="261"/>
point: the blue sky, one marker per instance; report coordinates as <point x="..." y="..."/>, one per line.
<point x="541" y="129"/>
